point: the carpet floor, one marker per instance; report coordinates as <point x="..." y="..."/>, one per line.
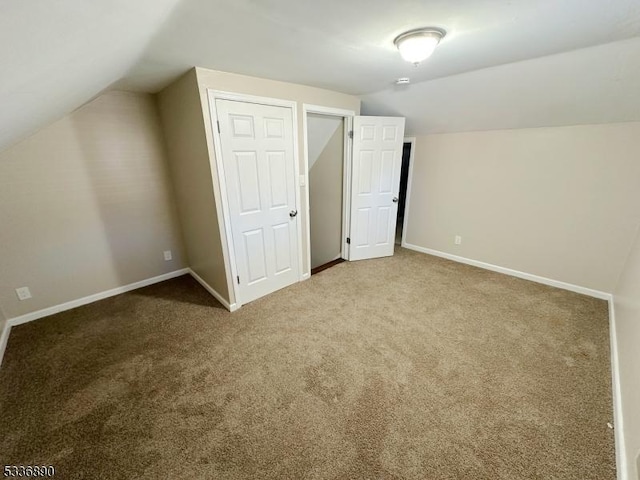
<point x="408" y="367"/>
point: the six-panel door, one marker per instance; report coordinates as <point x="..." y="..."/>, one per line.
<point x="258" y="160"/>
<point x="375" y="183"/>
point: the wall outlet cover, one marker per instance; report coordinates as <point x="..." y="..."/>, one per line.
<point x="167" y="255"/>
<point x="23" y="293"/>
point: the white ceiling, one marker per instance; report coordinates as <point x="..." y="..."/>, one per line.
<point x="594" y="85"/>
<point x="57" y="55"/>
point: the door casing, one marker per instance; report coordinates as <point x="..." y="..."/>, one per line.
<point x="220" y="188"/>
<point x="347" y="115"/>
<point x="412" y="141"/>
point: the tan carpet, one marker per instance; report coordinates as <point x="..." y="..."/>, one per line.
<point x="410" y="367"/>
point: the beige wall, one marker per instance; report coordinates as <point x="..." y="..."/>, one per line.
<point x="188" y="154"/>
<point x="229" y="82"/>
<point x="325" y="197"/>
<point x="627" y="324"/>
<point x="86" y="205"/>
<point x="562" y="203"/>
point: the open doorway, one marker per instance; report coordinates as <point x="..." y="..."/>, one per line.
<point x="326" y="157"/>
<point x="407" y="157"/>
<point x="352" y="206"/>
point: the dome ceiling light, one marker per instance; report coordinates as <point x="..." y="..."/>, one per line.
<point x="418" y="45"/>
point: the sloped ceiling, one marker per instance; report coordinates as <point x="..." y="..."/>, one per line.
<point x="57" y="55"/>
<point x="593" y="85"/>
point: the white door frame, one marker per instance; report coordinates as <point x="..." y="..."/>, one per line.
<point x="412" y="141"/>
<point x="346" y="176"/>
<point x="220" y="187"/>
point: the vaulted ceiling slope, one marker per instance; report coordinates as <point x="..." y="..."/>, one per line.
<point x="57" y="55"/>
<point x="588" y="86"/>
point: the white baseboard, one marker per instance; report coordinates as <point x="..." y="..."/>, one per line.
<point x="4" y="338"/>
<point x="514" y="273"/>
<point x="231" y="307"/>
<point x="621" y="460"/>
<point x="622" y="467"/>
<point x="45" y="312"/>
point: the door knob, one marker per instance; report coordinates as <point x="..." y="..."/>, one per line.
<point x="293" y="213"/>
<point x="395" y="199"/>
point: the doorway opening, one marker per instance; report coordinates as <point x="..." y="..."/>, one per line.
<point x="352" y="204"/>
<point x="326" y="154"/>
<point x="407" y="157"/>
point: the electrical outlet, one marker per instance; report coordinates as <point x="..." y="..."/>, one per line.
<point x="167" y="255"/>
<point x="457" y="240"/>
<point x="23" y="293"/>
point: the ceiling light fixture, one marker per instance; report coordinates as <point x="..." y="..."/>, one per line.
<point x="417" y="45"/>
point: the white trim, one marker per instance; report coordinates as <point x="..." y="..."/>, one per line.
<point x="4" y="338"/>
<point x="412" y="141"/>
<point x="346" y="189"/>
<point x="306" y="272"/>
<point x="618" y="423"/>
<point x="245" y="98"/>
<point x="220" y="186"/>
<point x="514" y="273"/>
<point x="231" y="307"/>
<point x="347" y="115"/>
<point x="220" y="192"/>
<point x="296" y="182"/>
<point x="45" y="312"/>
<point x="322" y="110"/>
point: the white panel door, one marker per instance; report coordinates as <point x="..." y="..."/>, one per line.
<point x="259" y="171"/>
<point x="375" y="183"/>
